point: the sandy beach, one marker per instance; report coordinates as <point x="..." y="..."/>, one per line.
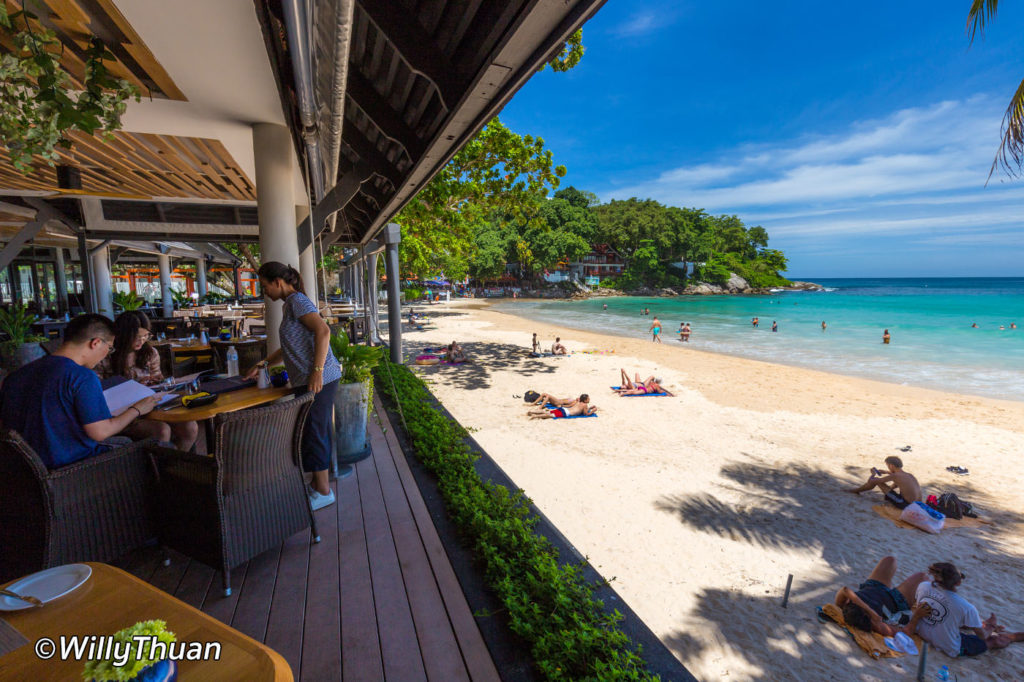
<point x="700" y="505"/>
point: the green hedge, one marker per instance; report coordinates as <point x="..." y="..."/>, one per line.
<point x="550" y="606"/>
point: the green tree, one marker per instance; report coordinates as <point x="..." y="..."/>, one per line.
<point x="497" y="173"/>
<point x="1010" y="154"/>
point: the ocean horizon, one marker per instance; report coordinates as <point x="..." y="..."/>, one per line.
<point x="933" y="343"/>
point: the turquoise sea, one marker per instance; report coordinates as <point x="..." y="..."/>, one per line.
<point x="933" y="344"/>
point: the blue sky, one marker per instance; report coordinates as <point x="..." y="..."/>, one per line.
<point x="859" y="135"/>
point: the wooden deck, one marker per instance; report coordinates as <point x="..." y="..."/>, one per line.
<point x="377" y="599"/>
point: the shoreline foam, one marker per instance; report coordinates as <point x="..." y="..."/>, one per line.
<point x="701" y="505"/>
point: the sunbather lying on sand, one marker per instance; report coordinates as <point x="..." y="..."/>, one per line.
<point x="638" y="387"/>
<point x="581" y="407"/>
<point x="899" y="487"/>
<point x="548" y="398"/>
<point x="876" y="606"/>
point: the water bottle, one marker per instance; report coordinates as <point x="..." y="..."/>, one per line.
<point x="943" y="673"/>
<point x="203" y="338"/>
<point x="263" y="378"/>
<point x="232" y="357"/>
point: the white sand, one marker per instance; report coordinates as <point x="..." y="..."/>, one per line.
<point x="700" y="505"/>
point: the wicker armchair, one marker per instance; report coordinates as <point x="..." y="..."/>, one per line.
<point x="246" y="498"/>
<point x="171" y="367"/>
<point x="95" y="509"/>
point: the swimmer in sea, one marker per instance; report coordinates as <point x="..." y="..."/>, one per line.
<point x="655" y="329"/>
<point x="885" y="336"/>
<point x="606" y="306"/>
<point x="754" y="322"/>
<point x="684" y="332"/>
<point x="775" y="326"/>
<point x="823" y="325"/>
<point x="974" y="326"/>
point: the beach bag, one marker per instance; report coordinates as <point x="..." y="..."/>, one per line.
<point x="953" y="507"/>
<point x="924" y="517"/>
<point x="531" y="396"/>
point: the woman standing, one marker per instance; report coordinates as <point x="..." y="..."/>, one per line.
<point x="306" y="351"/>
<point x="133" y="358"/>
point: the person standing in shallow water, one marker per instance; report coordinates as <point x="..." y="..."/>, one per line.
<point x="885" y="336"/>
<point x="823" y="325"/>
<point x="655" y="330"/>
<point x="754" y="322"/>
<point x="775" y="326"/>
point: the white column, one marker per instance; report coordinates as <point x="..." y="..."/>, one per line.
<point x="201" y="277"/>
<point x="275" y="205"/>
<point x="164" y="261"/>
<point x="372" y="298"/>
<point x="100" y="271"/>
<point x="62" y="281"/>
<point x="307" y="260"/>
<point x="392" y="235"/>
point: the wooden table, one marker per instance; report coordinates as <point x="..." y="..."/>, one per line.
<point x="111" y="600"/>
<point x="226" y="402"/>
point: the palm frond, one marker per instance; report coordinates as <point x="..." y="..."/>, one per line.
<point x="982" y="11"/>
<point x="1010" y="156"/>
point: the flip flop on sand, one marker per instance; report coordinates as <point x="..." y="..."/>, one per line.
<point x="959" y="471"/>
<point x="905" y="448"/>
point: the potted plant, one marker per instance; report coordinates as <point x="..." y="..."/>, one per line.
<point x="128" y="301"/>
<point x="352" y="399"/>
<point x="181" y="299"/>
<point x="21" y="346"/>
<point x="139" y="642"/>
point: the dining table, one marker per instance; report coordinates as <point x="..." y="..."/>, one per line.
<point x="241" y="399"/>
<point x="110" y="600"/>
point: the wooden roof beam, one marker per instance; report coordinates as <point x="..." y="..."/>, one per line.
<point x="387" y="120"/>
<point x="417" y="49"/>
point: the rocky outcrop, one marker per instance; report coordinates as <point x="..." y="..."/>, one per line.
<point x="803" y="286"/>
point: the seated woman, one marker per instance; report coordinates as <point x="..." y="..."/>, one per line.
<point x="950" y="612"/>
<point x="638" y="387"/>
<point x="133" y="358"/>
<point x="454" y="353"/>
<point x="875" y="604"/>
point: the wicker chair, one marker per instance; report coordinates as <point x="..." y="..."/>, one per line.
<point x="249" y="353"/>
<point x="257" y="329"/>
<point x="246" y="498"/>
<point x="95" y="509"/>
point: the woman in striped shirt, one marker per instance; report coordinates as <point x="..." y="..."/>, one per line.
<point x="306" y="351"/>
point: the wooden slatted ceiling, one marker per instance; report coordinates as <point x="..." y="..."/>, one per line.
<point x="142" y="165"/>
<point x="76" y="21"/>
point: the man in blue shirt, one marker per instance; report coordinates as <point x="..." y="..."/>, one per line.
<point x="56" y="402"/>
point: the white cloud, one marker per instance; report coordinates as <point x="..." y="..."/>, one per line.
<point x="639" y="24"/>
<point x="918" y="171"/>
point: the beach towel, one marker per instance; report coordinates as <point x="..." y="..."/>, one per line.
<point x="871" y="642"/>
<point x="641" y="395"/>
<point x="887" y="511"/>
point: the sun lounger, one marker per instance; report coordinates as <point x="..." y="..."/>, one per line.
<point x="641" y="395"/>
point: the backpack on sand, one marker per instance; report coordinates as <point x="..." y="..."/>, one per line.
<point x="953" y="507"/>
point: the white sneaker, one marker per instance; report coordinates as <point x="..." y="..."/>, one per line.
<point x="319" y="501"/>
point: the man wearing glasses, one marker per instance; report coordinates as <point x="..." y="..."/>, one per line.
<point x="56" y="402"/>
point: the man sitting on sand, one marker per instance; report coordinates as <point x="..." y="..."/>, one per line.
<point x="582" y="407"/>
<point x="557" y="348"/>
<point x="637" y="387"/>
<point x="899" y="487"/>
<point x="950" y="613"/>
<point x="875" y="606"/>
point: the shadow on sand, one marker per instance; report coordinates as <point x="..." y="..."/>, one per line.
<point x="795" y="509"/>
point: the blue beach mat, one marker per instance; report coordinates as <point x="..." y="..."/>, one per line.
<point x="576" y="416"/>
<point x="639" y="395"/>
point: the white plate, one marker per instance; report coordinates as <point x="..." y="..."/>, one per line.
<point x="46" y="585"/>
